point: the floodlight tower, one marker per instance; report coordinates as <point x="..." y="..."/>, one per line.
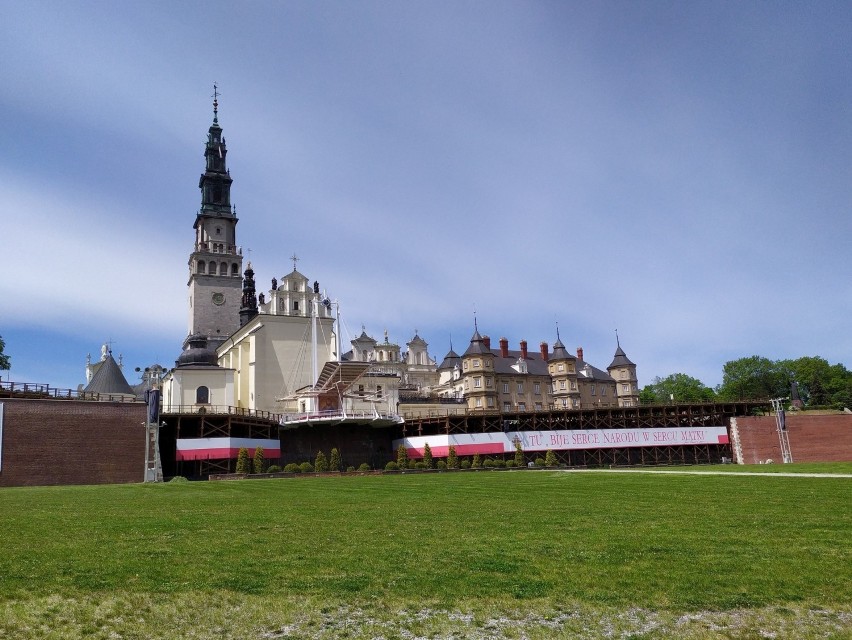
<point x="781" y="425"/>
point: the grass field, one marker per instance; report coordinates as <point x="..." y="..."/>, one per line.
<point x="482" y="555"/>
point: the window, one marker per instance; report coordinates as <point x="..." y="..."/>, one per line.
<point x="202" y="395"/>
<point x="361" y="390"/>
<point x="295" y="305"/>
<point x="537" y="388"/>
<point x="223" y="269"/>
<point x="573" y="386"/>
<point x="476" y="364"/>
<point x="625" y="388"/>
<point x="235" y="269"/>
<point x="603" y="391"/>
<point x="505" y="387"/>
<point x="522" y="406"/>
<point x="564" y="403"/>
<point x="623" y="373"/>
<point x="520" y="387"/>
<point x="479" y="403"/>
<point x="477" y="383"/>
<point x="489" y="382"/>
<point x="562" y="385"/>
<point x="507" y="406"/>
<point x="467" y="385"/>
<point x="465" y="365"/>
<point x="490" y="402"/>
<point x="378" y="391"/>
<point x="593" y="389"/>
<point x="201" y="265"/>
<point x="211" y="268"/>
<point x="538" y="406"/>
<point x="561" y="367"/>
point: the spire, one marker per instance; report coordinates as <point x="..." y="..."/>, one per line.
<point x="215" y="103"/>
<point x="215" y="182"/>
<point x="248" y="308"/>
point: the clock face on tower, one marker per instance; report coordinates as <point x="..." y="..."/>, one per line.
<point x="218" y="298"/>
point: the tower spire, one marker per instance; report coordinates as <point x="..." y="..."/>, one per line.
<point x="216" y="95"/>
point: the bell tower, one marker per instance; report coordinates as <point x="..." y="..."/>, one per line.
<point x="215" y="264"/>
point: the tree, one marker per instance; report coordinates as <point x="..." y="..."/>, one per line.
<point x="477" y="461"/>
<point x="427" y="456"/>
<point x="5" y="361"/>
<point x="259" y="462"/>
<point x="243" y="463"/>
<point x="519" y="453"/>
<point x="550" y="458"/>
<point x="820" y="383"/>
<point x="321" y="463"/>
<point x="677" y="386"/>
<point x="402" y="457"/>
<point x="452" y="458"/>
<point x="753" y="378"/>
<point x="334" y="464"/>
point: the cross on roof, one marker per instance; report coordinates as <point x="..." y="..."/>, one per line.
<point x="295" y="259"/>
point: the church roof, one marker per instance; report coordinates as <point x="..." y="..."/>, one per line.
<point x="450" y="361"/>
<point x="109" y="379"/>
<point x="477" y="345"/>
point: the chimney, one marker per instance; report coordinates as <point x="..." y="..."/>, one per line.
<point x="579" y="353"/>
<point x="504" y="348"/>
<point x="524" y="349"/>
<point x="544" y="351"/>
<point x="486" y="340"/>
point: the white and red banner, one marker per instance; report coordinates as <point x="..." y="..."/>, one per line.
<point x="223" y="448"/>
<point x="467" y="444"/>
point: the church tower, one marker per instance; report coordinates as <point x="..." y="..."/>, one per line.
<point x="215" y="264"/>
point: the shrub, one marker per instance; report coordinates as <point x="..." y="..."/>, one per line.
<point x="178" y="479"/>
<point x="550" y="458"/>
<point x="292" y="468"/>
<point x="320" y="464"/>
<point x="420" y="465"/>
<point x="488" y="463"/>
<point x="243" y="464"/>
<point x="306" y="467"/>
<point x="335" y="463"/>
<point x="364" y="467"/>
<point x="452" y="458"/>
<point x="258" y="463"/>
<point x="539" y="462"/>
<point x="519" y="453"/>
<point x="500" y="464"/>
<point x="350" y="469"/>
<point x="391" y="466"/>
<point x="427" y="456"/>
<point x="477" y="461"/>
<point x="273" y="468"/>
<point x="465" y="464"/>
<point x="401" y="456"/>
<point x="511" y="464"/>
<point x="441" y="465"/>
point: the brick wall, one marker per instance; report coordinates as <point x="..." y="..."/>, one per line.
<point x="72" y="442"/>
<point x="813" y="438"/>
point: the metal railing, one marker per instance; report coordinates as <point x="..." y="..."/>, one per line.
<point x="37" y="390"/>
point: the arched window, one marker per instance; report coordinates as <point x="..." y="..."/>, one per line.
<point x="202" y="395"/>
<point x="235" y="269"/>
<point x="223" y="269"/>
<point x="201" y="266"/>
<point x="211" y="268"/>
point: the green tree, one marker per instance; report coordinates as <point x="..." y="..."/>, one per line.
<point x="753" y="378"/>
<point x="259" y="462"/>
<point x="519" y="453"/>
<point x="243" y="462"/>
<point x="477" y="461"/>
<point x="681" y="387"/>
<point x="550" y="458"/>
<point x="5" y="361"/>
<point x="321" y="463"/>
<point x="819" y="382"/>
<point x="402" y="457"/>
<point x="452" y="458"/>
<point x="427" y="456"/>
<point x="335" y="463"/>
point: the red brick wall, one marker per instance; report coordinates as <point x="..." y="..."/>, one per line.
<point x="72" y="442"/>
<point x="813" y="438"/>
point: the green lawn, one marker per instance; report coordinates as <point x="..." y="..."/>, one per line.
<point x="292" y="557"/>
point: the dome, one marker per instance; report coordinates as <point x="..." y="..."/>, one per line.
<point x="197" y="353"/>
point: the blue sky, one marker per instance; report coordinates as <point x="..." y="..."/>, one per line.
<point x="680" y="172"/>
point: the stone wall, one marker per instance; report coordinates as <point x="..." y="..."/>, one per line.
<point x="813" y="438"/>
<point x="49" y="442"/>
